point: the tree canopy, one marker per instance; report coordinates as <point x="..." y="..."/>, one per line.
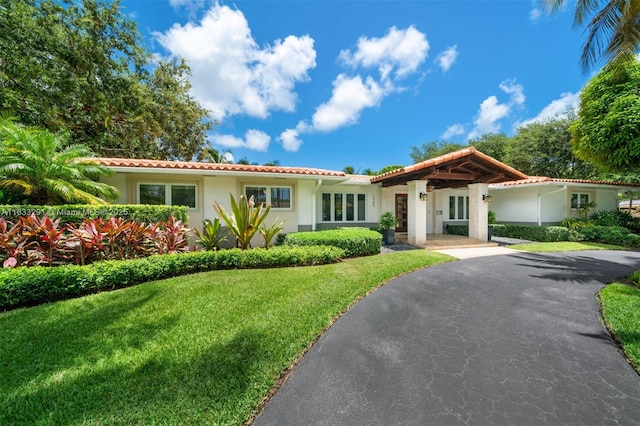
<point x="544" y="149"/>
<point x="81" y="66"/>
<point x="539" y="148"/>
<point x="607" y="130"/>
<point x="433" y="149"/>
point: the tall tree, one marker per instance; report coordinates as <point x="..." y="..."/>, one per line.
<point x="613" y="31"/>
<point x="433" y="149"/>
<point x="544" y="149"/>
<point x="80" y="65"/>
<point x="607" y="130"/>
<point x="492" y="144"/>
<point x="34" y="162"/>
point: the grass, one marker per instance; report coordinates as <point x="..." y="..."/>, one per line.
<point x="621" y="311"/>
<point x="198" y="349"/>
<point x="564" y="246"/>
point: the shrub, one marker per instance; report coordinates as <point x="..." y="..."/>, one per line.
<point x="457" y="230"/>
<point x="30" y="286"/>
<point x="605" y="234"/>
<point x="354" y="241"/>
<point x="615" y="218"/>
<point x="76" y="213"/>
<point x="635" y="277"/>
<point x="532" y="232"/>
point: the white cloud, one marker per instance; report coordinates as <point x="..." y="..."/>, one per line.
<point x="535" y="14"/>
<point x="253" y="139"/>
<point x="399" y="50"/>
<point x="558" y="108"/>
<point x="290" y="140"/>
<point x="231" y="74"/>
<point x="395" y="56"/>
<point x="454" y="130"/>
<point x="515" y="90"/>
<point x="186" y="3"/>
<point x="350" y="96"/>
<point x="447" y="58"/>
<point x="257" y="140"/>
<point x="492" y="111"/>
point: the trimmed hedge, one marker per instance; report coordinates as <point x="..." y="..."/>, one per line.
<point x="354" y="241"/>
<point x="544" y="234"/>
<point x="458" y="230"/>
<point x="31" y="286"/>
<point x="75" y="213"/>
<point x="604" y="234"/>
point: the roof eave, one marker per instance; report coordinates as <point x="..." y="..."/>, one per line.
<point x="201" y="172"/>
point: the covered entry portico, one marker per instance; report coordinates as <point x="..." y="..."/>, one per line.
<point x="426" y="182"/>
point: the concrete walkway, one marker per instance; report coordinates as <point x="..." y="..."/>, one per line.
<point x="494" y="340"/>
<point x="470" y="253"/>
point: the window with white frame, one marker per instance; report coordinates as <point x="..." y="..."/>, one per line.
<point x="343" y="207"/>
<point x="278" y="197"/>
<point x="458" y="207"/>
<point x="172" y="194"/>
<point x="579" y="200"/>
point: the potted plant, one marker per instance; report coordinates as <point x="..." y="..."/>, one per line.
<point x="491" y="219"/>
<point x="388" y="224"/>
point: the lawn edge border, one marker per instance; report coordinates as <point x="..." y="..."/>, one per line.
<point x="603" y="320"/>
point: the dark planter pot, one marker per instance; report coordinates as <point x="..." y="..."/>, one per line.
<point x="389" y="237"/>
<point x="490" y="233"/>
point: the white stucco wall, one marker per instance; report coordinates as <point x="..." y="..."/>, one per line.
<point x="607" y="199"/>
<point x="515" y="205"/>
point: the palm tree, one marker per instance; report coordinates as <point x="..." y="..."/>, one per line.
<point x="211" y="155"/>
<point x="617" y="25"/>
<point x="34" y="162"/>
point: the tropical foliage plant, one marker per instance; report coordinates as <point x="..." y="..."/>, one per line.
<point x="269" y="232"/>
<point x="244" y="220"/>
<point x="34" y="240"/>
<point x="212" y="234"/>
<point x="37" y="163"/>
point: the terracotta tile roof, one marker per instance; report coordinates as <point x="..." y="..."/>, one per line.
<point x="187" y="165"/>
<point x="433" y="162"/>
<point x="543" y="179"/>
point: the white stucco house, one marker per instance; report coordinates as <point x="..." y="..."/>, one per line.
<point x="457" y="188"/>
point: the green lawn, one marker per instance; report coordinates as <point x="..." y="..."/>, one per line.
<point x="564" y="246"/>
<point x="621" y="311"/>
<point x="198" y="349"/>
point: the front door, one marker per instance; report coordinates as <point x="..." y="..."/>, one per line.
<point x="401" y="212"/>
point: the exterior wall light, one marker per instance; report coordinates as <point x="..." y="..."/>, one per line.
<point x="424" y="196"/>
<point x="486" y="198"/>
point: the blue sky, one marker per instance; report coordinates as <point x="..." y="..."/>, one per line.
<point x="334" y="83"/>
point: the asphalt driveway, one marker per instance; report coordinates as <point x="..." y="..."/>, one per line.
<point x="512" y="339"/>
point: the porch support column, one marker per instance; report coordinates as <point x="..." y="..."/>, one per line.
<point x="417" y="213"/>
<point x="478" y="212"/>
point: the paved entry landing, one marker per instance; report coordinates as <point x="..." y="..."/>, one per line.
<point x="448" y="241"/>
<point x="498" y="340"/>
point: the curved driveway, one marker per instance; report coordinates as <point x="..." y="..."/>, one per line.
<point x="512" y="339"/>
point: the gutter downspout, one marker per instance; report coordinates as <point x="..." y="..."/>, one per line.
<point x="313" y="204"/>
<point x="564" y="188"/>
